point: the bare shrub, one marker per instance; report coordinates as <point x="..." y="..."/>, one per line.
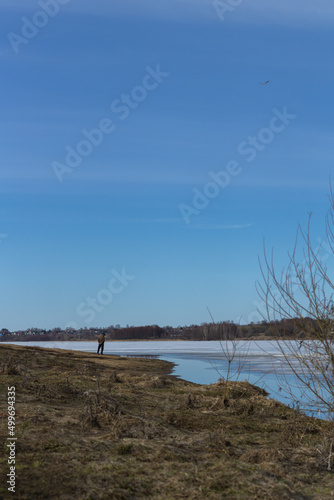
<point x="10" y="366"/>
<point x="99" y="411"/>
<point x="235" y="357"/>
<point x="304" y="294"/>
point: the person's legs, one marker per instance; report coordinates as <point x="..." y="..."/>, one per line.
<point x="98" y="349"/>
<point x="102" y="347"/>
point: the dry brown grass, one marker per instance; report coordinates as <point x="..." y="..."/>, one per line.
<point x="106" y="427"/>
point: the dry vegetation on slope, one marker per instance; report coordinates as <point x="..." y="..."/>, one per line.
<point x="106" y="427"/>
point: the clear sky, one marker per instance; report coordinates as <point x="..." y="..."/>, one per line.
<point x="143" y="161"/>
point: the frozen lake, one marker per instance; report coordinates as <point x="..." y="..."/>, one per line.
<point x="204" y="362"/>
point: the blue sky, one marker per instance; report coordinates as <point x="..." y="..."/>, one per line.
<point x="139" y="232"/>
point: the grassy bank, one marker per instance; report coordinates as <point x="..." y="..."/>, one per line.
<point x="106" y="427"/>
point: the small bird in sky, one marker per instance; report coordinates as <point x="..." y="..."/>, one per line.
<point x="264" y="83"/>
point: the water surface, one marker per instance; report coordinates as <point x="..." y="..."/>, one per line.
<point x="205" y="362"/>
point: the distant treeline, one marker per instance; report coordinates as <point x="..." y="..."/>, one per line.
<point x="224" y="330"/>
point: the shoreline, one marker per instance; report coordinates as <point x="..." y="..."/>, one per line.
<point x="92" y="426"/>
<point x="258" y="339"/>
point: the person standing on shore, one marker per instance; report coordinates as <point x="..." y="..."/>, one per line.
<point x="101" y="341"/>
